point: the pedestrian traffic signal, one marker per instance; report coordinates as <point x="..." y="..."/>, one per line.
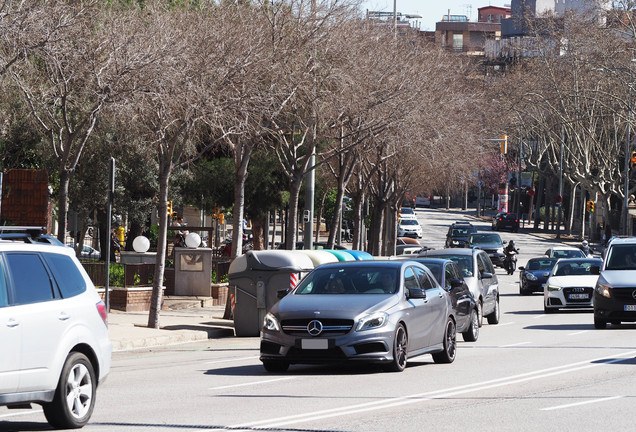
<point x="590" y="206"/>
<point x="169" y="209"/>
<point x="632" y="160"/>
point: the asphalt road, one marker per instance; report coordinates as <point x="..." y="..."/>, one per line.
<point x="532" y="372"/>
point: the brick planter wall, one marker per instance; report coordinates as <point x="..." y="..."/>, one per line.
<point x="219" y="294"/>
<point x="134" y="299"/>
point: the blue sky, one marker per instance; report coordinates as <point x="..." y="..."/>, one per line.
<point x="432" y="10"/>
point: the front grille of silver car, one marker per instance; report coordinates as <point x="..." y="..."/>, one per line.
<point x="330" y="327"/>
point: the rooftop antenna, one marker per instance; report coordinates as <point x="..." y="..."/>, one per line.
<point x="469" y="11"/>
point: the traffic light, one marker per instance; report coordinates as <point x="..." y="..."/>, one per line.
<point x="169" y="209"/>
<point x="590" y="206"/>
<point x="632" y="159"/>
<point x="221" y="218"/>
<point x="504" y="144"/>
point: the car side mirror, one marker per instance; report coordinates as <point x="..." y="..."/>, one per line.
<point x="416" y="293"/>
<point x="522" y="268"/>
<point x="455" y="283"/>
<point x="595" y="270"/>
<point x="282" y="293"/>
<point x="486" y="275"/>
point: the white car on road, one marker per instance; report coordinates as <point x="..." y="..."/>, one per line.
<point x="54" y="333"/>
<point x="409" y="228"/>
<point x="571" y="284"/>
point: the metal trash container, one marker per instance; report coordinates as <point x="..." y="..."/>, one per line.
<point x="256" y="278"/>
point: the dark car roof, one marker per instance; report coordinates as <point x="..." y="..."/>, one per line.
<point x="449" y="252"/>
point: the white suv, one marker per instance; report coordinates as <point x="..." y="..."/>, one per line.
<point x="53" y="328"/>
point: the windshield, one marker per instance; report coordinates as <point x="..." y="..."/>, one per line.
<point x="575" y="267"/>
<point x="484" y="238"/>
<point x="464" y="262"/>
<point x="621" y="257"/>
<point x="409" y="222"/>
<point x="567" y="253"/>
<point x="541" y="264"/>
<point x="435" y="268"/>
<point x="350" y="280"/>
<point x="458" y="232"/>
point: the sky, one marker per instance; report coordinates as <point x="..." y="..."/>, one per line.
<point x="432" y="11"/>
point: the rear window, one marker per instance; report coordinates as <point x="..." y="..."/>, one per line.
<point x="68" y="277"/>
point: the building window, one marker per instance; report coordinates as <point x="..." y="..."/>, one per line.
<point x="458" y="41"/>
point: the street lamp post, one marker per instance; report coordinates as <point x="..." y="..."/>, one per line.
<point x="627" y="152"/>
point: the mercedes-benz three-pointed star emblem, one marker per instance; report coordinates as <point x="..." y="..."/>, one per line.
<point x="314" y="327"/>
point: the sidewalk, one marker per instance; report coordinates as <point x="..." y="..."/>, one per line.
<point x="129" y="330"/>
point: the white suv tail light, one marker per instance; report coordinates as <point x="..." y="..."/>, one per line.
<point x="101" y="309"/>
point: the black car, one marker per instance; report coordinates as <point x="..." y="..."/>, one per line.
<point x="507" y="221"/>
<point x="491" y="243"/>
<point x="533" y="276"/>
<point x="457" y="235"/>
<point x="462" y="301"/>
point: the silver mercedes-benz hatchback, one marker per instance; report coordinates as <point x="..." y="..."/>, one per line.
<point x="373" y="311"/>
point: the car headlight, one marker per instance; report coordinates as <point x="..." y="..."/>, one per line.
<point x="500" y="250"/>
<point x="530" y="276"/>
<point x="603" y="290"/>
<point x="372" y="321"/>
<point x="270" y="322"/>
<point x="455" y="242"/>
<point x="554" y="288"/>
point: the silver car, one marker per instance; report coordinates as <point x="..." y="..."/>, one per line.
<point x="479" y="274"/>
<point x="372" y="311"/>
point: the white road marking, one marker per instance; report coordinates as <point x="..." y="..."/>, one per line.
<point x="506" y="324"/>
<point x="251" y="383"/>
<point x="438" y="394"/>
<point x="514" y="345"/>
<point x="581" y="403"/>
<point x="539" y="316"/>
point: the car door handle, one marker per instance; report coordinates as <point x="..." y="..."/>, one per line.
<point x="63" y="316"/>
<point x="12" y="323"/>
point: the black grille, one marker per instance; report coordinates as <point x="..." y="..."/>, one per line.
<point x="269" y="347"/>
<point x="318" y="356"/>
<point x="330" y="327"/>
<point x="370" y="347"/>
<point x="625" y="295"/>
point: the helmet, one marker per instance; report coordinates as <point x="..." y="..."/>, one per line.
<point x="511" y="243"/>
<point x="584" y="243"/>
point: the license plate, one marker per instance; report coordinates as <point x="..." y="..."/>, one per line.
<point x="314" y="344"/>
<point x="630" y="307"/>
<point x="578" y="296"/>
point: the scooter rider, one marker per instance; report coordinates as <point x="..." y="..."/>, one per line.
<point x="585" y="247"/>
<point x="509" y="251"/>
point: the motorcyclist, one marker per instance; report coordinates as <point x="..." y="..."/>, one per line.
<point x="509" y="251"/>
<point x="585" y="247"/>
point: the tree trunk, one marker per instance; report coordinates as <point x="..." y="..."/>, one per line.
<point x="165" y="170"/>
<point x="62" y="203"/>
<point x="292" y="217"/>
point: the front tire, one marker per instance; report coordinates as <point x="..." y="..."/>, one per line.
<point x="472" y="333"/>
<point x="493" y="317"/>
<point x="599" y="324"/>
<point x="450" y="344"/>
<point x="74" y="398"/>
<point x="400" y="350"/>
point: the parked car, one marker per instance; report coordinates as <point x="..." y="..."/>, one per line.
<point x="54" y="333"/>
<point x="564" y="252"/>
<point x="463" y="303"/>
<point x="422" y="201"/>
<point x="369" y="311"/>
<point x="409" y="228"/>
<point x="457" y="235"/>
<point x="479" y="274"/>
<point x="615" y="290"/>
<point x="491" y="243"/>
<point x="88" y="252"/>
<point x="507" y="221"/>
<point x="571" y="284"/>
<point x="534" y="274"/>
